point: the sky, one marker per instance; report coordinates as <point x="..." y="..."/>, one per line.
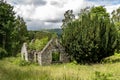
<point x="48" y="14"/>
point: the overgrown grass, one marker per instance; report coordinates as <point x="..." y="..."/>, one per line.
<point x="9" y="70"/>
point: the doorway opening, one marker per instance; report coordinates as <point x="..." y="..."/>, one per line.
<point x="55" y="57"/>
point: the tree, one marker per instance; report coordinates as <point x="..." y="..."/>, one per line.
<point x="7" y="17"/>
<point x="12" y="29"/>
<point x="69" y="17"/>
<point x="20" y="34"/>
<point x="116" y="19"/>
<point x="100" y="11"/>
<point x="90" y="38"/>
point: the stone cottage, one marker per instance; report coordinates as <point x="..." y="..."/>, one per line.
<point x="45" y="56"/>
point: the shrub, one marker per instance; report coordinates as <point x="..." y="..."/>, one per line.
<point x="17" y="61"/>
<point x="112" y="59"/>
<point x="24" y="63"/>
<point x="55" y="56"/>
<point x="103" y="76"/>
<point x="3" y="53"/>
<point x="38" y="44"/>
<point x="90" y="38"/>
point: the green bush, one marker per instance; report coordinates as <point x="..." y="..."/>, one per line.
<point x="18" y="55"/>
<point x="91" y="37"/>
<point x="103" y="76"/>
<point x="3" y="53"/>
<point x="55" y="56"/>
<point x="24" y="63"/>
<point x="112" y="59"/>
<point x="38" y="44"/>
<point x="17" y="61"/>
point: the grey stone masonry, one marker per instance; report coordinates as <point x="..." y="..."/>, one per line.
<point x="44" y="57"/>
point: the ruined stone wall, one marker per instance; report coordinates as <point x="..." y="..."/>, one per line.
<point x="46" y="56"/>
<point x="24" y="53"/>
<point x="63" y="55"/>
<point x="64" y="58"/>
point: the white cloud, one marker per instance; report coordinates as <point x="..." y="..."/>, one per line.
<point x="112" y="7"/>
<point x="49" y="13"/>
<point x="25" y="11"/>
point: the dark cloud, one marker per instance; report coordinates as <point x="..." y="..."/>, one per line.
<point x="38" y="25"/>
<point x="54" y="3"/>
<point x="35" y="25"/>
<point x="57" y="4"/>
<point x="54" y="21"/>
<point x="39" y="2"/>
<point x="47" y="20"/>
<point x="29" y="2"/>
<point x="28" y="20"/>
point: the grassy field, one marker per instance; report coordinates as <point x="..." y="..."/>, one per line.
<point x="9" y="70"/>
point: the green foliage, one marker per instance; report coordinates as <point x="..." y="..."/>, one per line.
<point x="13" y="29"/>
<point x="103" y="76"/>
<point x="112" y="59"/>
<point x="3" y="53"/>
<point x="38" y="44"/>
<point x="100" y="10"/>
<point x="116" y="19"/>
<point x="20" y="33"/>
<point x="69" y="16"/>
<point x="57" y="31"/>
<point x="39" y="34"/>
<point x="6" y="25"/>
<point x="55" y="56"/>
<point x="90" y="38"/>
<point x="24" y="63"/>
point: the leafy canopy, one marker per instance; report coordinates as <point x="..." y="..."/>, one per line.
<point x="92" y="37"/>
<point x="13" y="30"/>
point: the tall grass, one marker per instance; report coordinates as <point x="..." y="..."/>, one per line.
<point x="11" y="71"/>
